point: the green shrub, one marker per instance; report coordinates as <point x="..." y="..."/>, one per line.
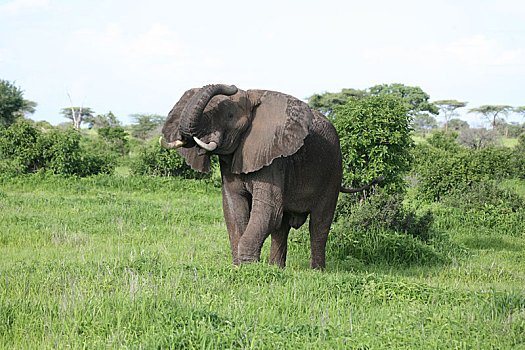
<point x="18" y="151"/>
<point x="518" y="157"/>
<point x="441" y="170"/>
<point x="25" y="149"/>
<point x="381" y="229"/>
<point x="384" y="246"/>
<point x="483" y="194"/>
<point x="443" y="141"/>
<point x="115" y="138"/>
<point x="384" y="211"/>
<point x="487" y="207"/>
<point x="154" y="160"/>
<point x="375" y="140"/>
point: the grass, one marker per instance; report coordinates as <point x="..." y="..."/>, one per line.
<point x="111" y="262"/>
<point x="509" y="141"/>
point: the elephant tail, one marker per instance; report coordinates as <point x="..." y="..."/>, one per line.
<point x="363" y="188"/>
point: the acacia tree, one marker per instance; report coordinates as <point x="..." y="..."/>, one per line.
<point x="77" y="115"/>
<point x="491" y="113"/>
<point x="328" y="101"/>
<point x="520" y="110"/>
<point x="449" y="107"/>
<point x="102" y="120"/>
<point x="145" y="124"/>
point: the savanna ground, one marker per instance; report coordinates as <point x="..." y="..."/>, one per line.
<point x="138" y="262"/>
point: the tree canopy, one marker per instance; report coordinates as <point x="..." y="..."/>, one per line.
<point x="491" y="113"/>
<point x="424" y="122"/>
<point x="77" y="114"/>
<point x="328" y="101"/>
<point x="448" y="107"/>
<point x="102" y="120"/>
<point x="11" y="102"/>
<point x="146" y="124"/>
<point x="413" y="98"/>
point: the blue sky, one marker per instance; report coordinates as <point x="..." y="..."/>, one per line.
<point x="140" y="56"/>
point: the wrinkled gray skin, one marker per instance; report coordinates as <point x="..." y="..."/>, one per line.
<point x="280" y="162"/>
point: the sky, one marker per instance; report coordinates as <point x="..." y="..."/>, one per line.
<point x="138" y="57"/>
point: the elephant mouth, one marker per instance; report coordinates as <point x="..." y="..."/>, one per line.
<point x="203" y="146"/>
<point x="207" y="146"/>
<point x="171" y="145"/>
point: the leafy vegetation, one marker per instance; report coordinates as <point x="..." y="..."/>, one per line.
<point x="375" y="141"/>
<point x="154" y="160"/>
<point x="25" y="149"/>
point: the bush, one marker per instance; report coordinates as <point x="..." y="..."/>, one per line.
<point x="381" y="230"/>
<point x="444" y="141"/>
<point x="154" y="160"/>
<point x="115" y="137"/>
<point x="18" y="149"/>
<point x="25" y="149"/>
<point x="485" y="205"/>
<point x="518" y="158"/>
<point x="384" y="211"/>
<point x="442" y="170"/>
<point x="375" y="140"/>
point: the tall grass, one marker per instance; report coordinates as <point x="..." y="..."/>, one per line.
<point x="145" y="263"/>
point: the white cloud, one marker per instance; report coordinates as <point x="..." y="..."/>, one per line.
<point x="15" y="7"/>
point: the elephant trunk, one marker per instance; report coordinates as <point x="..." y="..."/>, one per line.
<point x="190" y="115"/>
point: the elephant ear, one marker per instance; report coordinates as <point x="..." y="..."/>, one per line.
<point x="280" y="123"/>
<point x="196" y="160"/>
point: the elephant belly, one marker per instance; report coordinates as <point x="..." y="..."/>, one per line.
<point x="314" y="173"/>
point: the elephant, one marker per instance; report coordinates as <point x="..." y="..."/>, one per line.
<point x="280" y="161"/>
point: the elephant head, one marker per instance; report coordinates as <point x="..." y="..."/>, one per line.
<point x="254" y="127"/>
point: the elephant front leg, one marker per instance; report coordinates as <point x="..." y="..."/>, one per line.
<point x="236" y="208"/>
<point x="265" y="217"/>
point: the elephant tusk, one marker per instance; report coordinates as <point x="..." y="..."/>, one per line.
<point x="206" y="146"/>
<point x="171" y="145"/>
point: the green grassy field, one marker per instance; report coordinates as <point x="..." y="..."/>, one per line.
<point x="116" y="262"/>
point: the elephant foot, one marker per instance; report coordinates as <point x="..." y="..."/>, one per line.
<point x="248" y="259"/>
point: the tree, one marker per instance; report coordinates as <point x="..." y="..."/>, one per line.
<point x="491" y="112"/>
<point x="375" y="141"/>
<point x="102" y="120"/>
<point x="476" y="138"/>
<point x="11" y="102"/>
<point x="448" y="107"/>
<point x="145" y="124"/>
<point x="457" y="124"/>
<point x="424" y="123"/>
<point x="115" y="138"/>
<point x="328" y="101"/>
<point x="520" y="110"/>
<point x="77" y="115"/>
<point x="413" y="97"/>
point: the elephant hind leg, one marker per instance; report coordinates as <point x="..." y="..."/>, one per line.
<point x="279" y="245"/>
<point x="320" y="222"/>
